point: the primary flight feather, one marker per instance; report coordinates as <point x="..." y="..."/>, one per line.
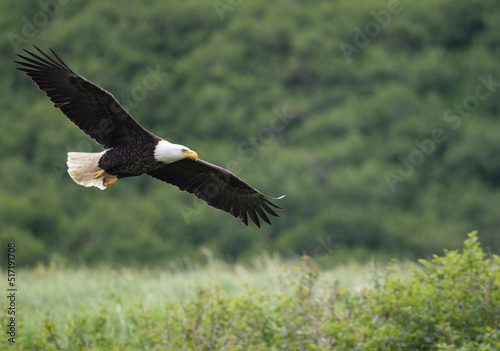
<point x="130" y="150"/>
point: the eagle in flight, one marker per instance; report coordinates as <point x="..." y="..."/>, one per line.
<point x="130" y="150"/>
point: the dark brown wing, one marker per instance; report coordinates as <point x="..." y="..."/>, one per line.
<point x="219" y="188"/>
<point x="90" y="107"/>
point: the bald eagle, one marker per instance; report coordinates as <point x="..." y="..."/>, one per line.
<point x="130" y="150"/>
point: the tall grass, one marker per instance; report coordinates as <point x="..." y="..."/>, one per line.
<point x="447" y="303"/>
<point x="63" y="294"/>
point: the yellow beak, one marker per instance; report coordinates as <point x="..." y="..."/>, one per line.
<point x="191" y="154"/>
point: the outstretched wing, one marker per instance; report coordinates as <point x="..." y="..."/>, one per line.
<point x="219" y="188"/>
<point x="94" y="110"/>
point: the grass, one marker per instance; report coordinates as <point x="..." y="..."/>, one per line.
<point x="447" y="303"/>
<point x="63" y="294"/>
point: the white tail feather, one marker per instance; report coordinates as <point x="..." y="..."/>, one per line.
<point x="83" y="165"/>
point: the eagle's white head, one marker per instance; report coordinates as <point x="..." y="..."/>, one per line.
<point x="167" y="152"/>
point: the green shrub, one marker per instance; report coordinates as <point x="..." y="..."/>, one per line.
<point x="450" y="302"/>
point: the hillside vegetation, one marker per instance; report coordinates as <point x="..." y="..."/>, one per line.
<point x="377" y="119"/>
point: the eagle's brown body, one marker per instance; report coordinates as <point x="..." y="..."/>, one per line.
<point x="131" y="159"/>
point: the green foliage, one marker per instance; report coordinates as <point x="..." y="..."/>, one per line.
<point x="447" y="303"/>
<point x="266" y="90"/>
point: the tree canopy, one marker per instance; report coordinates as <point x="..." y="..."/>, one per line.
<point x="377" y="119"/>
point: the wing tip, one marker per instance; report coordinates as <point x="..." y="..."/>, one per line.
<point x="44" y="59"/>
<point x="267" y="199"/>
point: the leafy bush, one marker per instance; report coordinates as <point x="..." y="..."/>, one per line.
<point x="449" y="302"/>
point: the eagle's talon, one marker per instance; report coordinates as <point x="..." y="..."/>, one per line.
<point x="108" y="181"/>
<point x="99" y="174"/>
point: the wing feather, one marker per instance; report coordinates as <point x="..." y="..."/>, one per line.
<point x="227" y="202"/>
<point x="94" y="110"/>
<point x="219" y="188"/>
<point x="243" y="216"/>
<point x="262" y="214"/>
<point x="269" y="209"/>
<point x="252" y="213"/>
<point x="235" y="209"/>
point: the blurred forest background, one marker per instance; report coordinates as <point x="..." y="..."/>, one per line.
<point x="378" y="119"/>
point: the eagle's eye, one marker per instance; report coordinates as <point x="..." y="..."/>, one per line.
<point x="184" y="151"/>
